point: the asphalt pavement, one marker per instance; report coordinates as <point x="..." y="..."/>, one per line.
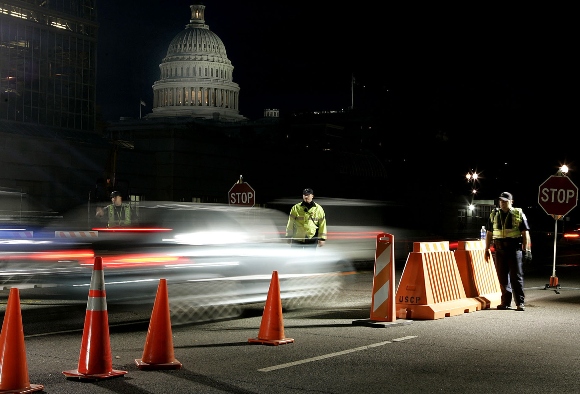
<point x="487" y="351"/>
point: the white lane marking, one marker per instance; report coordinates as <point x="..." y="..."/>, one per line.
<point x="308" y="360"/>
<point x="404" y="338"/>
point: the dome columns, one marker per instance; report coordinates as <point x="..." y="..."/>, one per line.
<point x="195" y="96"/>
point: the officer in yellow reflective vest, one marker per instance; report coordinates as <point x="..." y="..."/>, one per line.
<point x="508" y="229"/>
<point x="118" y="212"/>
<point x="307" y="222"/>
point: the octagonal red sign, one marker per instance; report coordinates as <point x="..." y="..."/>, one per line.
<point x="558" y="195"/>
<point x="242" y="194"/>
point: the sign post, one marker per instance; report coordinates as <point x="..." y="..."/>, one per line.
<point x="242" y="194"/>
<point x="558" y="195"/>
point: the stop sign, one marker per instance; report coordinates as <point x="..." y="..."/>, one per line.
<point x="558" y="195"/>
<point x="242" y="194"/>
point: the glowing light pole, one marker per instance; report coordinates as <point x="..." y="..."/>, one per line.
<point x="472" y="177"/>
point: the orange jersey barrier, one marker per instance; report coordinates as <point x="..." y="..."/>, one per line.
<point x="430" y="286"/>
<point x="479" y="277"/>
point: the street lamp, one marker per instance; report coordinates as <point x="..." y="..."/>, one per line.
<point x="472" y="177"/>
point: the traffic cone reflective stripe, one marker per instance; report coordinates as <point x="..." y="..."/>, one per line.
<point x="13" y="365"/>
<point x="272" y="325"/>
<point x="95" y="360"/>
<point x="158" y="352"/>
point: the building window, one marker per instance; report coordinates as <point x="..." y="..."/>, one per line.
<point x="483" y="211"/>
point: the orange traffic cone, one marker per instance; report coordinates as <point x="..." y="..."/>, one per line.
<point x="272" y="325"/>
<point x="95" y="360"/>
<point x="158" y="351"/>
<point x="13" y="365"/>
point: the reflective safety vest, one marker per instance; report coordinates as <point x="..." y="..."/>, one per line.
<point x="305" y="222"/>
<point x="516" y="216"/>
<point x="118" y="218"/>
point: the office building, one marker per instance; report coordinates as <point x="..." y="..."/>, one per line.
<point x="50" y="152"/>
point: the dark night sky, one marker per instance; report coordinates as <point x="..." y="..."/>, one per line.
<point x="290" y="55"/>
<point x="488" y="73"/>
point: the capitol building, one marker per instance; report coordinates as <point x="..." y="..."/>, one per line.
<point x="196" y="76"/>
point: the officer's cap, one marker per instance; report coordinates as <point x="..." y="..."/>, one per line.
<point x="307" y="191"/>
<point x="505" y="196"/>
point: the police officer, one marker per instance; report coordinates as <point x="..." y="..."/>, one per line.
<point x="508" y="229"/>
<point x="118" y="212"/>
<point x="307" y="222"/>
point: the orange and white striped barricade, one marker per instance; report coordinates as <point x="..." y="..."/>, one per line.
<point x="383" y="300"/>
<point x="431" y="286"/>
<point x="76" y="234"/>
<point x="16" y="234"/>
<point x="479" y="276"/>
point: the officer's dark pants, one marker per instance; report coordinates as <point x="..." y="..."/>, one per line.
<point x="510" y="272"/>
<point x="307" y="243"/>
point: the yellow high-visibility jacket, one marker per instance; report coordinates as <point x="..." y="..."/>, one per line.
<point x="119" y="218"/>
<point x="499" y="229"/>
<point x="306" y="223"/>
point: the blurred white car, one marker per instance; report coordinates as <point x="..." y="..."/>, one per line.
<point x="216" y="258"/>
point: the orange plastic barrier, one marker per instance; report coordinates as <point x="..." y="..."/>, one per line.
<point x="383" y="301"/>
<point x="430" y="286"/>
<point x="479" y="276"/>
<point x="383" y="304"/>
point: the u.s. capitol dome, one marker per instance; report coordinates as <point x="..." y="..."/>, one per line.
<point x="196" y="76"/>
